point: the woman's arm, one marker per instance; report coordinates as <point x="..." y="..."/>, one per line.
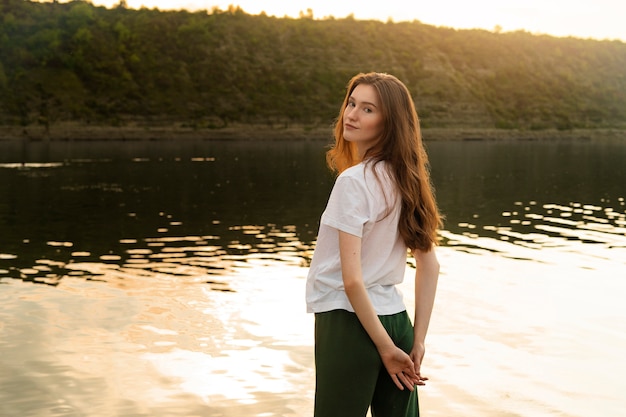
<point x="426" y="277"/>
<point x="398" y="364"/>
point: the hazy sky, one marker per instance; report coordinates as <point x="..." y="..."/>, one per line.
<point x="599" y="19"/>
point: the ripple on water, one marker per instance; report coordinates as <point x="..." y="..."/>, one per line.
<point x="585" y="229"/>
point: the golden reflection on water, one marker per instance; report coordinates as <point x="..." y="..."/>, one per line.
<point x="149" y="342"/>
<point x="536" y="314"/>
<point x="528" y="321"/>
<point x="526" y="338"/>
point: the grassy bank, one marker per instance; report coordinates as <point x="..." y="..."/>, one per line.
<point x="79" y="132"/>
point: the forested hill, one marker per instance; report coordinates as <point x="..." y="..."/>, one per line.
<point x="78" y="62"/>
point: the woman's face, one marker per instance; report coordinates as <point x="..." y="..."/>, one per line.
<point x="363" y="118"/>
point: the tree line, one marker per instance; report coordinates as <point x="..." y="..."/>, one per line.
<point x="209" y="69"/>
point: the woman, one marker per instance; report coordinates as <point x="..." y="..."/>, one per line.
<point x="367" y="352"/>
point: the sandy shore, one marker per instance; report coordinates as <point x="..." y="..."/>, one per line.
<point x="80" y="132"/>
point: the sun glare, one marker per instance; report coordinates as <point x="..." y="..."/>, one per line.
<point x="600" y="19"/>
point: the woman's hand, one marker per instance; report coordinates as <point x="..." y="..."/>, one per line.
<point x="417" y="355"/>
<point x="400" y="367"/>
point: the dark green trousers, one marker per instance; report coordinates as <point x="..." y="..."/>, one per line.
<point x="350" y="376"/>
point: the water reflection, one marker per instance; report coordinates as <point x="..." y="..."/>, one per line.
<point x="593" y="232"/>
<point x="151" y="343"/>
<point x="208" y="210"/>
<point x="174" y="279"/>
<point x="177" y="256"/>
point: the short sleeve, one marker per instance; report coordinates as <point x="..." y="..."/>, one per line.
<point x="347" y="209"/>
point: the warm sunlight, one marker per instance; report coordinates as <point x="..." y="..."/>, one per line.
<point x="601" y="19"/>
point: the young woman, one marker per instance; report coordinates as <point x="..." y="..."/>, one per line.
<point x="367" y="352"/>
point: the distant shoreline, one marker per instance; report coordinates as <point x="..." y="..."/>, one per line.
<point x="78" y="132"/>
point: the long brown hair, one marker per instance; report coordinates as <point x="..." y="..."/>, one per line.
<point x="402" y="148"/>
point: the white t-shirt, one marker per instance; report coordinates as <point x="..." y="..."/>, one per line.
<point x="367" y="206"/>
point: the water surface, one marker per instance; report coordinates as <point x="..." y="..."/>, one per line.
<point x="167" y="279"/>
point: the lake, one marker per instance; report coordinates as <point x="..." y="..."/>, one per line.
<point x="162" y="278"/>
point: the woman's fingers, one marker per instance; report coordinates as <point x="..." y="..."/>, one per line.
<point x="401" y="381"/>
